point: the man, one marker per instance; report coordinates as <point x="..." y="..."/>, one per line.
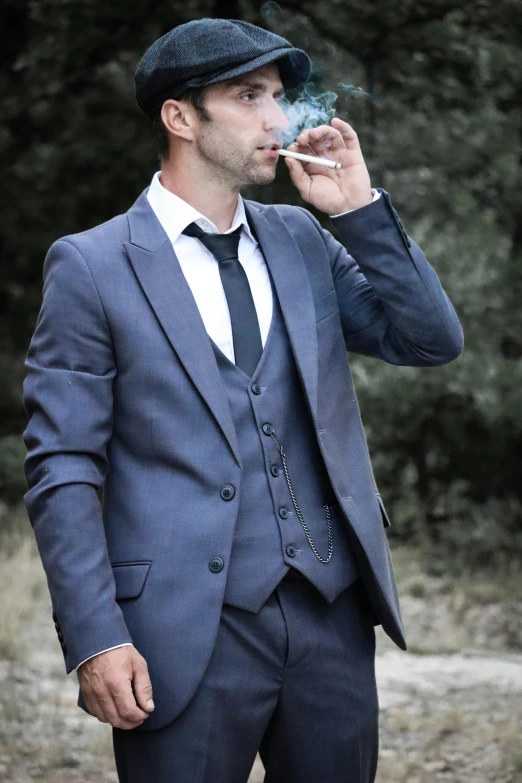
<point x="190" y="356"/>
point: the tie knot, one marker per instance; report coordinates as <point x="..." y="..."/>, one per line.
<point x="222" y="246"/>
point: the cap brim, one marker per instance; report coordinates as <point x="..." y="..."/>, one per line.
<point x="294" y="65"/>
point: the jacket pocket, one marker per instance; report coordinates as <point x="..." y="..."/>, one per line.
<point x="130" y="577"/>
<point x="385" y="518"/>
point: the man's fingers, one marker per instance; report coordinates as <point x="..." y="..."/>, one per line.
<point x="327" y="138"/>
<point x="106" y="684"/>
<point x="324" y="140"/>
<point x="299" y="177"/>
<point x="321" y="140"/>
<point x="100" y="703"/>
<point x="347" y="132"/>
<point x="128" y="712"/>
<point x="141" y="683"/>
<point x="95" y="708"/>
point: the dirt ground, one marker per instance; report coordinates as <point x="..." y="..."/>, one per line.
<point x="451" y="707"/>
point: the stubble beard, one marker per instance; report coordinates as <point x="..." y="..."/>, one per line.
<point x="231" y="165"/>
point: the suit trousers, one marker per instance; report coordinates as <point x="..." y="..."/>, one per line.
<point x="296" y="682"/>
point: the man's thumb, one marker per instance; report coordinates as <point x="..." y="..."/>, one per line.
<point x="142" y="686"/>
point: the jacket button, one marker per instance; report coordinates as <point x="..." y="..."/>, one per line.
<point x="216" y="564"/>
<point x="268" y="429"/>
<point x="274" y="470"/>
<point x="283" y="512"/>
<point x="256" y="388"/>
<point x="291" y="550"/>
<point x="228" y="492"/>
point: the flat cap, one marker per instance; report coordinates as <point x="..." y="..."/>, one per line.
<point x="208" y="51"/>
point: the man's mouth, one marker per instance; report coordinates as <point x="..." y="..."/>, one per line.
<point x="270" y="149"/>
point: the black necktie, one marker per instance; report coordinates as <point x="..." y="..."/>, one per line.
<point x="248" y="346"/>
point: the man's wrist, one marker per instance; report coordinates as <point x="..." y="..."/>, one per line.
<point x="375" y="195"/>
<point x="359" y="205"/>
<point x="124" y="644"/>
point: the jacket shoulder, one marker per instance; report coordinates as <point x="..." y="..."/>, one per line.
<point x="99" y="239"/>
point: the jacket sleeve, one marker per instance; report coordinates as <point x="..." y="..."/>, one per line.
<point x="70" y="369"/>
<point x="391" y="303"/>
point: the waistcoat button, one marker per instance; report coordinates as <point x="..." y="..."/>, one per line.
<point x="267" y="429"/>
<point x="290" y="550"/>
<point x="256" y="388"/>
<point x="216" y="564"/>
<point x="274" y="470"/>
<point x="228" y="492"/>
<point x="283" y="512"/>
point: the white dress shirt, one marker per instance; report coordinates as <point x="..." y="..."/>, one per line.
<point x="201" y="271"/>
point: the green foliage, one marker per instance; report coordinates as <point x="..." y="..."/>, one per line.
<point x="12" y="479"/>
<point x="442" y="132"/>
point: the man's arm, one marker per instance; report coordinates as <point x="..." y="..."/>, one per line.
<point x="68" y="400"/>
<point x="391" y="302"/>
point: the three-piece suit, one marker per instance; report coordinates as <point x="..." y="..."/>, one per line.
<point x="197" y="530"/>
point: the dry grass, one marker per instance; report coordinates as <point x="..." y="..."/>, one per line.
<point x="506" y="734"/>
<point x="395" y="766"/>
<point x="459" y="737"/>
<point x="22" y="581"/>
<point x="466" y="588"/>
<point x="449" y="611"/>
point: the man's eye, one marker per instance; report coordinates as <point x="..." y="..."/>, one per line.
<point x="248" y="94"/>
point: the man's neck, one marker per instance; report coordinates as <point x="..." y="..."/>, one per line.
<point x="216" y="203"/>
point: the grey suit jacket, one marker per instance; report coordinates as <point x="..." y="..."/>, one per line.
<point x="122" y="390"/>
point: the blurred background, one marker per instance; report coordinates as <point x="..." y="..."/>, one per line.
<point x="433" y="89"/>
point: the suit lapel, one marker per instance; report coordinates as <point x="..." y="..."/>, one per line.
<point x="288" y="270"/>
<point x="164" y="284"/>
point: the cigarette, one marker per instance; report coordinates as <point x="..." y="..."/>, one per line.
<point x="331" y="164"/>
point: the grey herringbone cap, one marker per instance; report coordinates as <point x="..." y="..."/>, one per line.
<point x="208" y="51"/>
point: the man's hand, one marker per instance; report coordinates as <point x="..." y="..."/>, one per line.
<point x="107" y="682"/>
<point x="331" y="190"/>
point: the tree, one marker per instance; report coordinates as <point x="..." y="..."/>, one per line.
<point x="433" y="89"/>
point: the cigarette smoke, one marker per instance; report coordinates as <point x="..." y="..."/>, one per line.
<point x="309" y="109"/>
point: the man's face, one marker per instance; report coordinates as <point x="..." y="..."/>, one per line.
<point x="246" y="114"/>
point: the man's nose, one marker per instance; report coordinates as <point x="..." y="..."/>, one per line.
<point x="276" y="118"/>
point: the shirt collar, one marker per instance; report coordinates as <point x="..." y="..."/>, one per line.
<point x="175" y="214"/>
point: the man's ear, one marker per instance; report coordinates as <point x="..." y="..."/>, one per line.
<point x="178" y="119"/>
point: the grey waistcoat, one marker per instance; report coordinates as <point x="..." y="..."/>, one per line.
<point x="269" y="537"/>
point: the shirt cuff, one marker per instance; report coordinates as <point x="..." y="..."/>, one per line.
<point x="102" y="651"/>
<point x="376" y="196"/>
